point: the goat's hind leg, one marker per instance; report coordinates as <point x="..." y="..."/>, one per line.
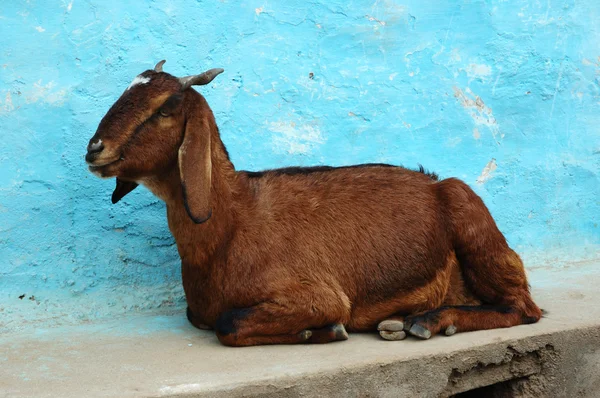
<point x="492" y="271"/>
<point x="463" y="318"/>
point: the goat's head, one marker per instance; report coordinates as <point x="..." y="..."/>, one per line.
<point x="155" y="125"/>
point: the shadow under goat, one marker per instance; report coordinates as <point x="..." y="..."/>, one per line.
<point x="301" y="255"/>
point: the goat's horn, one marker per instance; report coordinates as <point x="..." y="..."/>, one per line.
<point x="158" y="67"/>
<point x="199" y="80"/>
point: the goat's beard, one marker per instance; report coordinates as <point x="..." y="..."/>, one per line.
<point x="122" y="189"/>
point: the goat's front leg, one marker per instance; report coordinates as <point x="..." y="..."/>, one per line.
<point x="273" y="323"/>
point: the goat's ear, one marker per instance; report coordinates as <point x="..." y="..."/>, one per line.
<point x="122" y="189"/>
<point x="195" y="168"/>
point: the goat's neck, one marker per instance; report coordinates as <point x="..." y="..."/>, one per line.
<point x="199" y="243"/>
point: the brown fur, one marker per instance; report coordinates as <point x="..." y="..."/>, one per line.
<point x="283" y="253"/>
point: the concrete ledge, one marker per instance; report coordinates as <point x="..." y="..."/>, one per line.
<point x="164" y="356"/>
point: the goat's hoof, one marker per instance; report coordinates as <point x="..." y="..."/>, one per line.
<point x="339" y="332"/>
<point x="392" y="336"/>
<point x="390" y="325"/>
<point x="450" y="330"/>
<point x="420" y="331"/>
<point x="305" y="335"/>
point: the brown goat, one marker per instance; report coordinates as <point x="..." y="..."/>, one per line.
<point x="300" y="255"/>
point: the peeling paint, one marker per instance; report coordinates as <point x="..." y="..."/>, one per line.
<point x="68" y="6"/>
<point x="487" y="171"/>
<point x="47" y="93"/>
<point x="370" y="18"/>
<point x="294" y="139"/>
<point x="480" y="113"/>
<point x="479" y="71"/>
<point x="8" y="104"/>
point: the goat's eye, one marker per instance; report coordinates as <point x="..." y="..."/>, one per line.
<point x="170" y="105"/>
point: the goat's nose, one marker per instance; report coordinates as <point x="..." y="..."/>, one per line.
<point x="93" y="150"/>
<point x="95" y="147"/>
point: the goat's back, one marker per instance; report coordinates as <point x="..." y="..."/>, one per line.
<point x="375" y="223"/>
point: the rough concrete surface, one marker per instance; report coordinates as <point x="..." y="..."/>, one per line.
<point x="165" y="356"/>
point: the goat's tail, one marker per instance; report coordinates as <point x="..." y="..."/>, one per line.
<point x="491" y="269"/>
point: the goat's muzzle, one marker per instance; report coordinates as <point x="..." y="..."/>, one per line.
<point x="94" y="149"/>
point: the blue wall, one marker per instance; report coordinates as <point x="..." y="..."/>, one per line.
<point x="504" y="94"/>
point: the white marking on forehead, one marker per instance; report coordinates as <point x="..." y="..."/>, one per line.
<point x="139" y="79"/>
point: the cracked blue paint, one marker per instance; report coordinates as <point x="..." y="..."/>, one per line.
<point x="503" y="94"/>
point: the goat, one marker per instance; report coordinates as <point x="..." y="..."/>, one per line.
<point x="303" y="255"/>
